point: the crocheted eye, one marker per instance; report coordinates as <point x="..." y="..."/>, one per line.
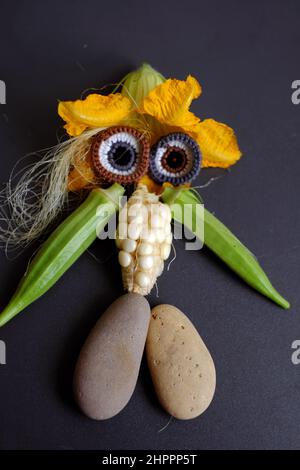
<point x="175" y="158"/>
<point x="120" y="154"/>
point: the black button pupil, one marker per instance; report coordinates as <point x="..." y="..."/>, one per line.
<point x="122" y="155"/>
<point x="175" y="159"/>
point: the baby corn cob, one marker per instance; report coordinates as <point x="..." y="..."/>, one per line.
<point x="144" y="239"/>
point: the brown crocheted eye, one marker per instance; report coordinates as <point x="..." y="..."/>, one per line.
<point x="120" y="154"/>
<point x="175" y="158"/>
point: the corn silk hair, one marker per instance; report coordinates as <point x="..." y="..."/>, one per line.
<point x="35" y="195"/>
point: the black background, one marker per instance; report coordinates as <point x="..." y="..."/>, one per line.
<point x="246" y="55"/>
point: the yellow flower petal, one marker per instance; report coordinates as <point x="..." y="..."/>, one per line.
<point x="159" y="188"/>
<point x="82" y="176"/>
<point x="94" y="111"/>
<point x="169" y="103"/>
<point x="218" y="144"/>
<point x="151" y="185"/>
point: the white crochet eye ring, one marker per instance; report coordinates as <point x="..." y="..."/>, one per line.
<point x="120" y="154"/>
<point x="175" y="158"/>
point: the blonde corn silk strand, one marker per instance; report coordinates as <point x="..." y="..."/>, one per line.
<point x="35" y="195"/>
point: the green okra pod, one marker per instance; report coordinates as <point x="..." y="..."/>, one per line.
<point x="224" y="244"/>
<point x="64" y="246"/>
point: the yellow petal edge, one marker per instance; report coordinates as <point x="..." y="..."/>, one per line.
<point x="218" y="144"/>
<point x="167" y="107"/>
<point x="169" y="103"/>
<point x="94" y="111"/>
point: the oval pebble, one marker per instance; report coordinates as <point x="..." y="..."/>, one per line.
<point x="109" y="362"/>
<point x="181" y="366"/>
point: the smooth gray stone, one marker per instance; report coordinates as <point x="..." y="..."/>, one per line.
<point x="108" y="365"/>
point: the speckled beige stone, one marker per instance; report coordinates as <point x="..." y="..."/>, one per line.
<point x="109" y="362"/>
<point x="181" y="366"/>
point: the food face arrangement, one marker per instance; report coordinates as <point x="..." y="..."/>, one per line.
<point x="143" y="140"/>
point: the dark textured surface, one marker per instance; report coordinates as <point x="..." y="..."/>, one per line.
<point x="245" y="55"/>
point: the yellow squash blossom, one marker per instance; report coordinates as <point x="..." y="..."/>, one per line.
<point x="163" y="107"/>
<point x="169" y="104"/>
